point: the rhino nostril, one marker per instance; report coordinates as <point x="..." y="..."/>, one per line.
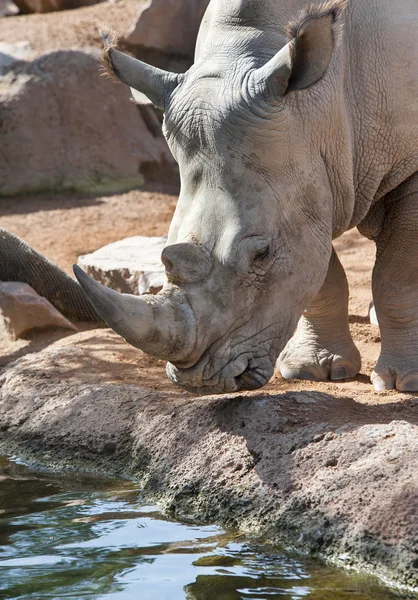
<point x="167" y="263"/>
<point x="186" y="263"/>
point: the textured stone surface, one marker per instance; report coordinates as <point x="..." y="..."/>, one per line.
<point x="326" y="473"/>
<point x="22" y="310"/>
<point x="64" y="126"/>
<point x="130" y="266"/>
<point x="168" y="25"/>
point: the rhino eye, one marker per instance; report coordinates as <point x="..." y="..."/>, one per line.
<point x="262" y="254"/>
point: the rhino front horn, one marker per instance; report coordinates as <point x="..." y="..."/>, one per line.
<point x="162" y="325"/>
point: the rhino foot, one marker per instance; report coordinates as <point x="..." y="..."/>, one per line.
<point x="306" y="359"/>
<point x="322" y="347"/>
<point x="395" y="373"/>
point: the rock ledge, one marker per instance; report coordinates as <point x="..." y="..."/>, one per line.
<point x="328" y="474"/>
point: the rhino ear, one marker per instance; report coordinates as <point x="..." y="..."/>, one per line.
<point x="305" y="59"/>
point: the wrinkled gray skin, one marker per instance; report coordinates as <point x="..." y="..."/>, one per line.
<point x="283" y="147"/>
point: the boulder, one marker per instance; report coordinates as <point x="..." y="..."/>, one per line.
<point x="169" y="26"/>
<point x="328" y="473"/>
<point x="22" y="310"/>
<point x="130" y="266"/>
<point x="43" y="6"/>
<point x="65" y="126"/>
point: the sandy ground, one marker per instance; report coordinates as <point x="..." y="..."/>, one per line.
<point x="64" y="227"/>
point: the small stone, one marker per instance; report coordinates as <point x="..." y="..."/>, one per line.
<point x="130" y="266"/>
<point x="22" y="310"/>
<point x="394" y="456"/>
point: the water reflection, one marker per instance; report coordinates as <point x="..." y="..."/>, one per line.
<point x="71" y="538"/>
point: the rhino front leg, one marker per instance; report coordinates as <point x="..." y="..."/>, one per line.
<point x="322" y="347"/>
<point x="395" y="292"/>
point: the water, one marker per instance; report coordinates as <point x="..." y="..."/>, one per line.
<point x="75" y="539"/>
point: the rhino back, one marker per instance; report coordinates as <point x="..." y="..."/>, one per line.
<point x="374" y="76"/>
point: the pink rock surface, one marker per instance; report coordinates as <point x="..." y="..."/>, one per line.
<point x="87" y="134"/>
<point x="130" y="266"/>
<point x="169" y="26"/>
<point x="22" y="310"/>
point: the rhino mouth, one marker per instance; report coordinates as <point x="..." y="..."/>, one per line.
<point x="253" y="378"/>
<point x="237" y="376"/>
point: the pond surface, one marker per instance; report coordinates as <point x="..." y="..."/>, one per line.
<point x="75" y="539"/>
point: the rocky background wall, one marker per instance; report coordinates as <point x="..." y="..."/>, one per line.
<point x="63" y="126"/>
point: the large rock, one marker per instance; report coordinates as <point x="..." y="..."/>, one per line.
<point x="169" y="26"/>
<point x="42" y="6"/>
<point x="327" y="473"/>
<point x="64" y="126"/>
<point x="130" y="266"/>
<point x="22" y="310"/>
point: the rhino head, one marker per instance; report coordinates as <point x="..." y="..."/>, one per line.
<point x="250" y="241"/>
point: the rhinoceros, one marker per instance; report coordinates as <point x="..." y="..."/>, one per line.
<point x="293" y="125"/>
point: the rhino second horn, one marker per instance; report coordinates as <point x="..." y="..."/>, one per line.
<point x="162" y="325"/>
<point x="156" y="84"/>
<point x="186" y="263"/>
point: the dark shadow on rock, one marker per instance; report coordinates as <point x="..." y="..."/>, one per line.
<point x="278" y="425"/>
<point x="40" y="339"/>
<point x="322" y="477"/>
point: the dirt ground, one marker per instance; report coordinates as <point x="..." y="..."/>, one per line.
<point x="64" y="227"/>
